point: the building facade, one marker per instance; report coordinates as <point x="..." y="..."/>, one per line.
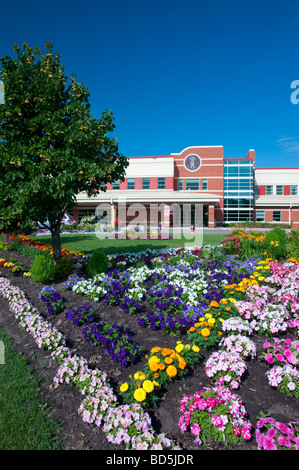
<point x="228" y="190"/>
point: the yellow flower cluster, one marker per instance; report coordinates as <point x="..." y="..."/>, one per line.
<point x="262" y="270"/>
<point x="141" y="386"/>
<point x="163" y="365"/>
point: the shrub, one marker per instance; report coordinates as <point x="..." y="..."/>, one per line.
<point x="276" y="242"/>
<point x="97" y="263"/>
<point x="42" y="269"/>
<point x="293" y="243"/>
<point x="63" y="268"/>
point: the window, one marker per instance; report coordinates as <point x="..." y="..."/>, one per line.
<point x="115" y="185"/>
<point x="130" y="183"/>
<point x="192" y="184"/>
<point x="294" y="190"/>
<point x="180" y="184"/>
<point x="204" y="184"/>
<point x="260" y="216"/>
<point x="145" y="183"/>
<point x="279" y="190"/>
<point x="276" y="216"/>
<point x="269" y="190"/>
<point x="161" y="183"/>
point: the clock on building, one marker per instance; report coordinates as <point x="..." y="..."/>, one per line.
<point x="192" y="162"/>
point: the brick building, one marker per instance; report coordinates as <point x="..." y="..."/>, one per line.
<point x="229" y="190"/>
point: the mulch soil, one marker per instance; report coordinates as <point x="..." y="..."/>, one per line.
<point x="65" y="400"/>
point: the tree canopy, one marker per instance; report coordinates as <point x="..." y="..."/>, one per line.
<point x="51" y="146"/>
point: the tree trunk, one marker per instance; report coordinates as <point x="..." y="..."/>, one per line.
<point x="56" y="242"/>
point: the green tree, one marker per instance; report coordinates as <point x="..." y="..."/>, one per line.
<point x="51" y="146"/>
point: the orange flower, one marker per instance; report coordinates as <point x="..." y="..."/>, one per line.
<point x="168" y="360"/>
<point x="182" y="363"/>
<point x="214" y="304"/>
<point x="171" y="371"/>
<point x="166" y="351"/>
<point x="205" y="332"/>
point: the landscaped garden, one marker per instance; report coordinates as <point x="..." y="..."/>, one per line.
<point x="166" y="347"/>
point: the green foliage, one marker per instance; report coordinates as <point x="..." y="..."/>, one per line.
<point x="63" y="268"/>
<point x="97" y="263"/>
<point x="276" y="242"/>
<point x="293" y="243"/>
<point x="42" y="269"/>
<point x="51" y="146"/>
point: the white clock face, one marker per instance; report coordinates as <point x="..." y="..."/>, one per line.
<point x="192" y="162"/>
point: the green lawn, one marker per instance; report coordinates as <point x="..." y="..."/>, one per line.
<point x="87" y="243"/>
<point x="24" y="423"/>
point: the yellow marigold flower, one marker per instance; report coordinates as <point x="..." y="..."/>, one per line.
<point x="208" y="315"/>
<point x="171" y="371"/>
<point x="161" y="366"/>
<point x="139" y="375"/>
<point x="155" y="383"/>
<point x="124" y="387"/>
<point x="148" y="386"/>
<point x="195" y="348"/>
<point x="261" y="278"/>
<point x="205" y="332"/>
<point x="180" y="347"/>
<point x="140" y="394"/>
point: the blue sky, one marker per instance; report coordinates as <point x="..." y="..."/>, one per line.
<point x="177" y="73"/>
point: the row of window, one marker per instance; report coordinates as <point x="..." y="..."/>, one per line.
<point x="192" y="184"/>
<point x="145" y="183"/>
<point x="279" y="190"/>
<point x="260" y="216"/>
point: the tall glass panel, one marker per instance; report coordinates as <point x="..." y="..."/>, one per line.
<point x="238" y="191"/>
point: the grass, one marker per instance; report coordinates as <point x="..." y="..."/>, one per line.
<point x="87" y="243"/>
<point x="23" y="415"/>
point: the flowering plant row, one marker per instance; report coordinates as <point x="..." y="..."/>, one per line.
<point x="100" y="402"/>
<point x="45" y="334"/>
<point x="116" y="339"/>
<point x="53" y="300"/>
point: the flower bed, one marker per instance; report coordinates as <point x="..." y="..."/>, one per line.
<point x="221" y="295"/>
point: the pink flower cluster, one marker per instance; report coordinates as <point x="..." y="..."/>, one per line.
<point x="274" y="435"/>
<point x="279" y="351"/>
<point x="223" y="407"/>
